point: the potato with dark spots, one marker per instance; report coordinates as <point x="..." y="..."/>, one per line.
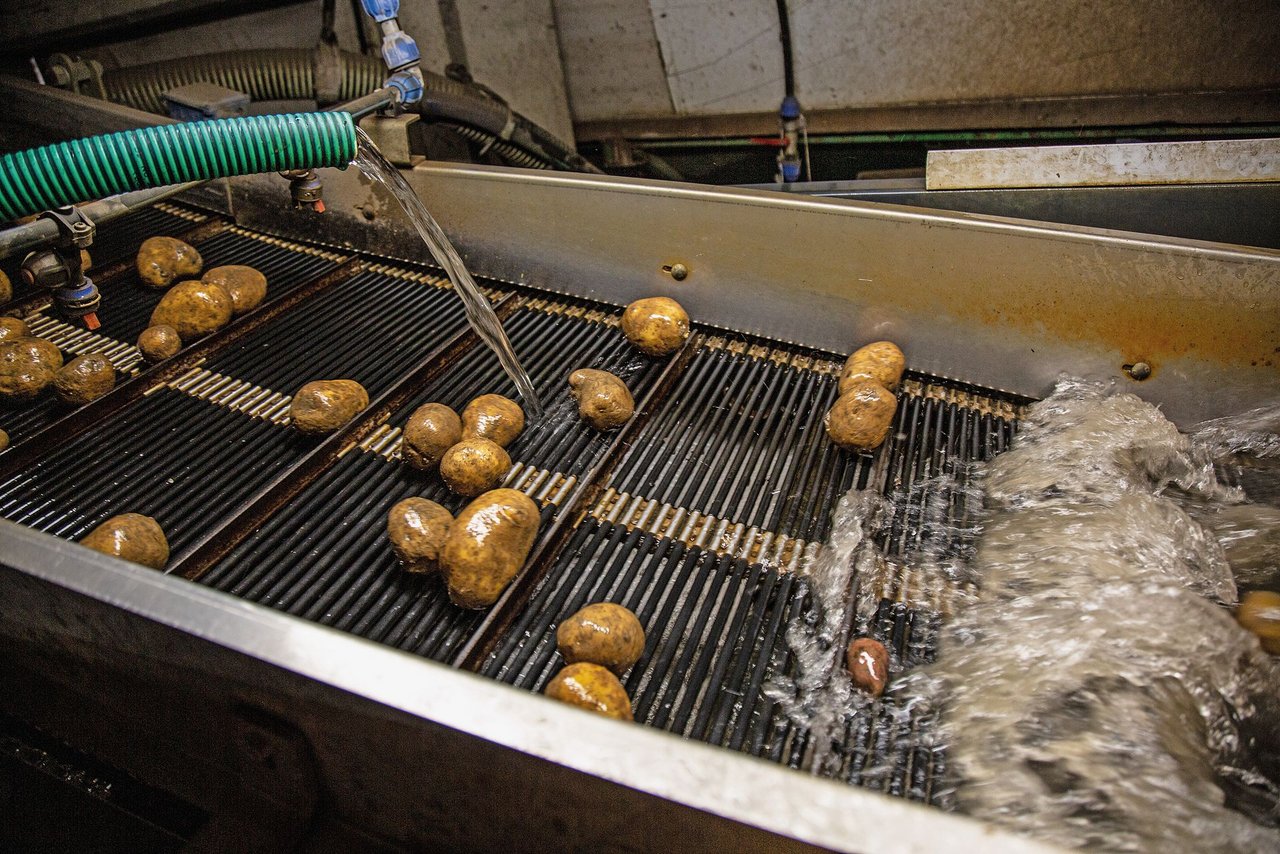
<point x="194" y="309"/>
<point x="6" y="287"/>
<point x="417" y="528"/>
<point x="601" y="633"/>
<point x="431" y="430"/>
<point x="868" y="664"/>
<point x="27" y="365"/>
<point x="324" y="406"/>
<point x="1259" y="613"/>
<point x="487" y="545"/>
<point x="473" y="466"/>
<point x="165" y="260"/>
<point x="132" y="537"/>
<point x="604" y="401"/>
<point x="157" y="343"/>
<point x="13" y="327"/>
<point x="246" y="286"/>
<point x="84" y="379"/>
<point x="881" y="362"/>
<point x="494" y="417"/>
<point x="861" y="417"/>
<point x="656" y="326"/>
<point x="591" y="687"/>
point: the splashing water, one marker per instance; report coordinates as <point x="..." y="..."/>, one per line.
<point x="479" y="313"/>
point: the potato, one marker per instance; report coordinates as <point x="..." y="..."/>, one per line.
<point x="432" y="429"/>
<point x="656" y="326"/>
<point x="604" y="634"/>
<point x="27" y="365"/>
<point x="1259" y="612"/>
<point x="164" y="260"/>
<point x="591" y="687"/>
<point x="868" y="663"/>
<point x="324" y="406"/>
<point x="245" y="285"/>
<point x="193" y="309"/>
<point x="604" y="401"/>
<point x="4" y="440"/>
<point x="487" y="545"/>
<point x="86" y="260"/>
<point x="133" y="537"/>
<point x="417" y="529"/>
<point x="881" y="362"/>
<point x="862" y="416"/>
<point x="84" y="378"/>
<point x="158" y="343"/>
<point x="474" y="466"/>
<point x="6" y="287"/>
<point x="494" y="417"/>
<point x="12" y="327"/>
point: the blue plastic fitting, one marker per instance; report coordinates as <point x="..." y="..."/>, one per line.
<point x="790" y="108"/>
<point x="381" y="10"/>
<point x="400" y="50"/>
<point x="408" y="84"/>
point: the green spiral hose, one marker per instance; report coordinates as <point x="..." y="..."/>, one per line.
<point x="42" y="178"/>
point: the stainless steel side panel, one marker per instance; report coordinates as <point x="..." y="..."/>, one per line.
<point x="1004" y="303"/>
<point x="420" y="754"/>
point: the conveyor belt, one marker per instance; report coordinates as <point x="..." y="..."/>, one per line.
<point x="700" y="515"/>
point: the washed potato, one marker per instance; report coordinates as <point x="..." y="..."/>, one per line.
<point x="868" y="663"/>
<point x="324" y="406"/>
<point x="158" y="343"/>
<point x="432" y="429"/>
<point x="493" y="417"/>
<point x="13" y="327"/>
<point x="602" y="633"/>
<point x="487" y="545"/>
<point x="4" y="440"/>
<point x="131" y="536"/>
<point x="473" y="466"/>
<point x="84" y="378"/>
<point x="193" y="309"/>
<point x="591" y="687"/>
<point x="165" y="260"/>
<point x="6" y="287"/>
<point x="881" y="362"/>
<point x="656" y="326"/>
<point x="86" y="260"/>
<point x="604" y="401"/>
<point x="245" y="285"/>
<point x="862" y="416"/>
<point x="417" y="529"/>
<point x="27" y="365"/>
<point x="1259" y="612"/>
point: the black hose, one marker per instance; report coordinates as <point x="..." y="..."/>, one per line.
<point x="784" y="33"/>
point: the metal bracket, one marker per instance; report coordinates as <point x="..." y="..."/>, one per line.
<point x="391" y="135"/>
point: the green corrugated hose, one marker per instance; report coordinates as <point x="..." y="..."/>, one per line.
<point x="42" y="178"/>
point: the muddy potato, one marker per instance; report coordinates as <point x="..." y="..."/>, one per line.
<point x="1259" y="612"/>
<point x="245" y="285"/>
<point x="84" y="378"/>
<point x="4" y="440"/>
<point x="604" y="401"/>
<point x="6" y="287"/>
<point x="601" y="633"/>
<point x="591" y="687"/>
<point x="131" y="536"/>
<point x="862" y="416"/>
<point x="164" y="260"/>
<point x="487" y="545"/>
<point x="417" y="529"/>
<point x="493" y="417"/>
<point x="13" y="327"/>
<point x="193" y="309"/>
<point x="27" y="365"/>
<point x="881" y="362"/>
<point x="473" y="466"/>
<point x="323" y="406"/>
<point x="431" y="430"/>
<point x="656" y="326"/>
<point x="868" y="663"/>
<point x="158" y="343"/>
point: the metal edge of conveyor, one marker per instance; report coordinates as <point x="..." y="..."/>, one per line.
<point x="753" y="792"/>
<point x="1003" y="303"/>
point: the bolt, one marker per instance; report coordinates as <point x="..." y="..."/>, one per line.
<point x="679" y="272"/>
<point x="1138" y="370"/>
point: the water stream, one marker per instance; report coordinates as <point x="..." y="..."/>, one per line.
<point x="479" y="313"/>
